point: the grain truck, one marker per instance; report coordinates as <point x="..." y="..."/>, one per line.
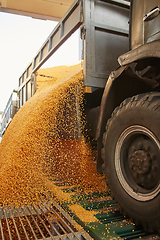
<point x="120" y="57"/>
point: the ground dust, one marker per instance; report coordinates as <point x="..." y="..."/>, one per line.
<point x="44" y="140"/>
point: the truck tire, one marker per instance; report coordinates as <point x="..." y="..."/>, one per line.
<point x="131" y="154"/>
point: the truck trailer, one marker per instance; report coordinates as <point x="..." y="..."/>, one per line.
<point x="120" y="57"/>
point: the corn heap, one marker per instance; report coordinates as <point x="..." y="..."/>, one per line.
<point x="44" y="140"/>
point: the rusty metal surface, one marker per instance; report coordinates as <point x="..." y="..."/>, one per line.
<point x="45" y="221"/>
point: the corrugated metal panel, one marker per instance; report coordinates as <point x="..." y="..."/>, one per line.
<point x="43" y="9"/>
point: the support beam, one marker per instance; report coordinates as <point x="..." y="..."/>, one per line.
<point x="43" y="9"/>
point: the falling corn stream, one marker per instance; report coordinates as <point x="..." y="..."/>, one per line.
<point x="41" y="142"/>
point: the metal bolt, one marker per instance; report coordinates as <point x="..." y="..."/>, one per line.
<point x="133" y="164"/>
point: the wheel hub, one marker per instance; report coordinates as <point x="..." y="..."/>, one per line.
<point x="140" y="162"/>
<point x="137" y="164"/>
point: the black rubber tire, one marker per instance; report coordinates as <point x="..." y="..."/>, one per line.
<point x="144" y="111"/>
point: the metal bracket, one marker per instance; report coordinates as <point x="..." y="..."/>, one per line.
<point x="83" y="32"/>
<point x="152" y="14"/>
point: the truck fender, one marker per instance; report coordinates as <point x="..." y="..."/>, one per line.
<point x="149" y="50"/>
<point x="122" y="83"/>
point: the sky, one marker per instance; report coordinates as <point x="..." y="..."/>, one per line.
<point x="20" y="39"/>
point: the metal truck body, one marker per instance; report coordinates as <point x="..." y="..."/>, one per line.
<point x="104" y="30"/>
<point x="122" y="100"/>
<point x="10" y="110"/>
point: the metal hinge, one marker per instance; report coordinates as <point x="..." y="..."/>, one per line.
<point x="83" y="36"/>
<point x="83" y="32"/>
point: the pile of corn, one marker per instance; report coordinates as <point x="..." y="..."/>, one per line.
<point x="44" y="140"/>
<point x="84" y="215"/>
